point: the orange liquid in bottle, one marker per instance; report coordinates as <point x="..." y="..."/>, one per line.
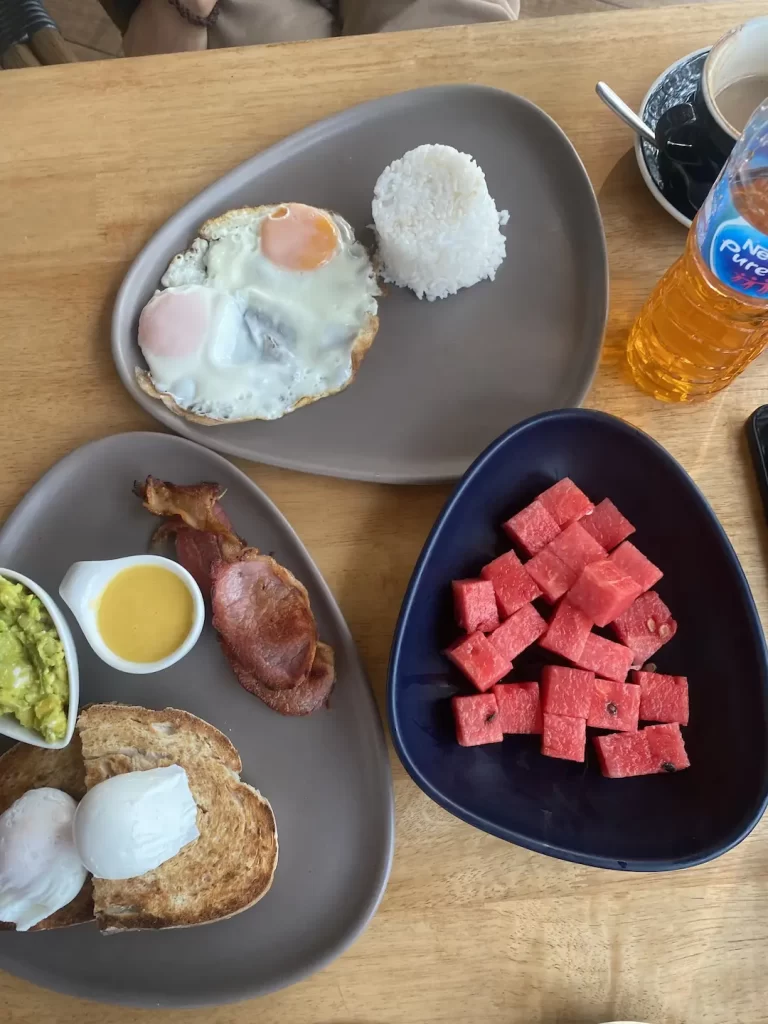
<point x="694" y="334"/>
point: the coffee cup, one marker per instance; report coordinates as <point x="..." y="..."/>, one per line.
<point x="734" y="81"/>
<point x="700" y="134"/>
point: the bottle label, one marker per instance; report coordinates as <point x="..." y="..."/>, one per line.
<point x="735" y="252"/>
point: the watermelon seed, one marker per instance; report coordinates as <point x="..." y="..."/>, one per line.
<point x="651" y="624"/>
<point x="649" y="667"/>
<point x="490" y="718"/>
<point x="663" y="630"/>
<point x="668" y="767"/>
<point x="611" y="708"/>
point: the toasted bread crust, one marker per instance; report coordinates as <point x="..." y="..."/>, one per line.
<point x="23" y="768"/>
<point x="229" y="867"/>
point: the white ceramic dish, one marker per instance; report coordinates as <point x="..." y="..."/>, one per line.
<point x="8" y="724"/>
<point x="85" y="582"/>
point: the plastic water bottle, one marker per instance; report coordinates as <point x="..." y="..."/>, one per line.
<point x="707" y="318"/>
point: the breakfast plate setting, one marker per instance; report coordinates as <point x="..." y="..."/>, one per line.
<point x="297" y="806"/>
<point x="196" y="800"/>
<point x="539" y="311"/>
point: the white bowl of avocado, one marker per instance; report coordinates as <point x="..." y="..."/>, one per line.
<point x="39" y="682"/>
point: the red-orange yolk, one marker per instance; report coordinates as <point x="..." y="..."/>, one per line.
<point x="298" y="237"/>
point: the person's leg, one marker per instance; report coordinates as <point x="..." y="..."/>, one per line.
<point x="360" y="16"/>
<point x="244" y="22"/>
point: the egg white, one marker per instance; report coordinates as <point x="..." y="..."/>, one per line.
<point x="40" y="870"/>
<point x="271" y="338"/>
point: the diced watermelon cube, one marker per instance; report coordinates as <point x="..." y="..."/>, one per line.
<point x="550" y="574"/>
<point x="479" y="660"/>
<point x="576" y="548"/>
<point x="634" y="564"/>
<point x="565" y="502"/>
<point x="624" y="754"/>
<point x="614" y="706"/>
<point x="519" y="707"/>
<point x="603" y="592"/>
<point x="477" y="720"/>
<point x="511" y="583"/>
<point x="607" y="525"/>
<point x="518" y="632"/>
<point x="475" y="605"/>
<point x="662" y="698"/>
<point x="668" y="752"/>
<point x="533" y="528"/>
<point x="645" y="626"/>
<point x="567" y="632"/>
<point x="566" y="691"/>
<point x="605" y="658"/>
<point x="564" y="737"/>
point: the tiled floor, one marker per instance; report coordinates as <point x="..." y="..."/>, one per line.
<point x="85" y="25"/>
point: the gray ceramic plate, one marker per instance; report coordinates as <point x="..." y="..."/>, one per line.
<point x="444" y="378"/>
<point x="327" y="776"/>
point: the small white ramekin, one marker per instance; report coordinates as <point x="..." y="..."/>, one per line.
<point x="8" y="724"/>
<point x="84" y="584"/>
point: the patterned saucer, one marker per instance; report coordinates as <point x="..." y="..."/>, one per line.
<point x="678" y="84"/>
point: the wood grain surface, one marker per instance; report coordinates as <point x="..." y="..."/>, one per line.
<point x="93" y="159"/>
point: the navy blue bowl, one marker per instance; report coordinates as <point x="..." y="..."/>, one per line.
<point x="564" y="809"/>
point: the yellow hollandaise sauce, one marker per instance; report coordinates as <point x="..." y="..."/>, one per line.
<point x="145" y="613"/>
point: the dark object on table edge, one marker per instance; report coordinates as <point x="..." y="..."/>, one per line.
<point x="757" y="436"/>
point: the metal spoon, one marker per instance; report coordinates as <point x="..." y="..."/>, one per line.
<point x="684" y="189"/>
<point x="625" y="112"/>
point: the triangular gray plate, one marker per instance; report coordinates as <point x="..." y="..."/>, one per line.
<point x="443" y="378"/>
<point x="326" y="776"/>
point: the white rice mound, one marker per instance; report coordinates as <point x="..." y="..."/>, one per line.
<point x="437" y="225"/>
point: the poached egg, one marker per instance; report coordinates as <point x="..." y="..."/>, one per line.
<point x="132" y="823"/>
<point x="40" y="869"/>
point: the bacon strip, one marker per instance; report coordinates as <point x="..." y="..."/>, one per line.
<point x="260" y="610"/>
<point x="203" y="531"/>
<point x="198" y="552"/>
<point x="263" y="616"/>
<point x="197" y="506"/>
<point x="304" y="699"/>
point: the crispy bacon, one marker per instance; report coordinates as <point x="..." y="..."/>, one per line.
<point x="197" y="506"/>
<point x="310" y="695"/>
<point x="203" y="531"/>
<point x="260" y="610"/>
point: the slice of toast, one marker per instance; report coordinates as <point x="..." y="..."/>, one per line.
<point x="223" y="872"/>
<point x="23" y="768"/>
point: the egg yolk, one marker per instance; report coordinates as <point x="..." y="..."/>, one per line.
<point x="173" y="323"/>
<point x="298" y="237"/>
<point x="145" y="613"/>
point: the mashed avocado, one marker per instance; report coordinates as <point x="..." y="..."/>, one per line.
<point x="33" y="674"/>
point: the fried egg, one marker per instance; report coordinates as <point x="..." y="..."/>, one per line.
<point x="270" y="308"/>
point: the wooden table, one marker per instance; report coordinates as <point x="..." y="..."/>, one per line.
<point x="93" y="159"/>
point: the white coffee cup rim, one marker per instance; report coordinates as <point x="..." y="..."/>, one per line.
<point x="748" y="41"/>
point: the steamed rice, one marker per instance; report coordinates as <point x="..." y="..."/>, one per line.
<point x="437" y="225"/>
